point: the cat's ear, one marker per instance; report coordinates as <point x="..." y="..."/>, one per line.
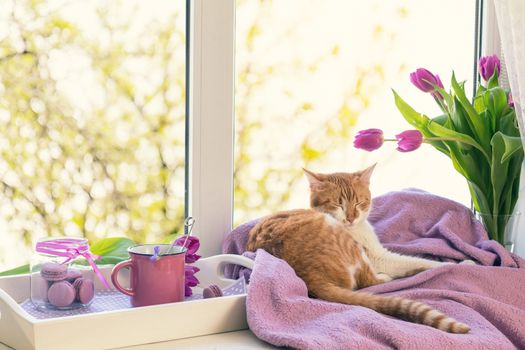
<point x="314" y="180"/>
<point x="367" y="174"/>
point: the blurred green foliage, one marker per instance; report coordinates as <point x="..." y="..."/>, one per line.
<point x="92" y="119"/>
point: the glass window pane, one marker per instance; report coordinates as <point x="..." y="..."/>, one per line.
<point x="92" y="119"/>
<point x="310" y="74"/>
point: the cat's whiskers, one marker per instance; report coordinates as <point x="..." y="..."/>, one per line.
<point x="362" y="216"/>
<point x="339" y="214"/>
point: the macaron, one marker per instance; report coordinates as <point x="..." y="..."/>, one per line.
<point x="85" y="290"/>
<point x="53" y="272"/>
<point x="212" y="291"/>
<point x="72" y="275"/>
<point x="61" y="294"/>
<point x="39" y="288"/>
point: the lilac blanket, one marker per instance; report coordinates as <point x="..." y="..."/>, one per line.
<point x="489" y="297"/>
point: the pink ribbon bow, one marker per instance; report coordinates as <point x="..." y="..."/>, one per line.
<point x="71" y="248"/>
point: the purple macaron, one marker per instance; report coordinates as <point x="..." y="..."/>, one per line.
<point x="72" y="275"/>
<point x="61" y="294"/>
<point x="212" y="291"/>
<point x="85" y="290"/>
<point x="53" y="272"/>
<point x="39" y="288"/>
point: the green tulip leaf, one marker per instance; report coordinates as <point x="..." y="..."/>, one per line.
<point x="113" y="246"/>
<point x="507" y="123"/>
<point x="479" y="105"/>
<point x="505" y="179"/>
<point x="418" y="120"/>
<point x="493" y="80"/>
<point x="111" y="250"/>
<point x="511" y="146"/>
<point x="461" y="121"/>
<point x="440" y="145"/>
<point x="16" y="271"/>
<point x="446" y="96"/>
<point x="441" y="119"/>
<point x="480" y="90"/>
<point x="508" y="155"/>
<point x="495" y="100"/>
<point x="451" y="135"/>
<point x="498" y="173"/>
<point x="515" y="190"/>
<point x="508" y="200"/>
<point x="470" y="164"/>
<point x="479" y="197"/>
<point x="479" y="127"/>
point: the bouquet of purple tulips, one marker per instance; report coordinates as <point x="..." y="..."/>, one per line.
<point x="481" y="138"/>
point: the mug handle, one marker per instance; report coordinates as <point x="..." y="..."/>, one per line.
<point x="114" y="277"/>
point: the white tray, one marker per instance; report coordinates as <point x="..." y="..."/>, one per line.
<point x="111" y="329"/>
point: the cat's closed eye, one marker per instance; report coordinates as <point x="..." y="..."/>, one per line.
<point x="361" y="204"/>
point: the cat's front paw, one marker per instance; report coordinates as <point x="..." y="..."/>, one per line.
<point x="383" y="277"/>
<point x="468" y="262"/>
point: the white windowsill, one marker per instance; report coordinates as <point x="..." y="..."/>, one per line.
<point x="240" y="340"/>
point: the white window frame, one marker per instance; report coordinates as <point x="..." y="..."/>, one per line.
<point x="211" y="113"/>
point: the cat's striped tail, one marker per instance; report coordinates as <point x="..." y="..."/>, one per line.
<point x="407" y="309"/>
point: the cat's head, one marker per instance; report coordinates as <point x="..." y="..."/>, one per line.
<point x="346" y="196"/>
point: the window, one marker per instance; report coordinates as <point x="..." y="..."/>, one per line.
<point x="309" y="75"/>
<point x="92" y="113"/>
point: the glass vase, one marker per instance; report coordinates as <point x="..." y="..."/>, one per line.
<point x="502" y="228"/>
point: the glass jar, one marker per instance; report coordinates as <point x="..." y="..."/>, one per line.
<point x="61" y="275"/>
<point x="502" y="228"/>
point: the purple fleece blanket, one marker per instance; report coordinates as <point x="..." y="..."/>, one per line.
<point x="489" y="297"/>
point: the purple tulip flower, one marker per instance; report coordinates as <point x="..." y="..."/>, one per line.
<point x="510" y="100"/>
<point x="369" y="139"/>
<point x="193" y="245"/>
<point x="424" y="80"/>
<point x="487" y="64"/>
<point x="190" y="279"/>
<point x="409" y="140"/>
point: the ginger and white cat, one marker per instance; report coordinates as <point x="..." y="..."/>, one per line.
<point x="335" y="250"/>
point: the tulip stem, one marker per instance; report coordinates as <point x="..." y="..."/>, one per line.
<point x="442" y="105"/>
<point x="430" y="139"/>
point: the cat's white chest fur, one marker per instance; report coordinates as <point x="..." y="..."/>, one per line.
<point x="361" y="230"/>
<point x="331" y="221"/>
<point x="364" y="234"/>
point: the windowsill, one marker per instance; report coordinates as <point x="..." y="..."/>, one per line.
<point x="240" y="340"/>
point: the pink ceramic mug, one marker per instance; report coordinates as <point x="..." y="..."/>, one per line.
<point x="153" y="282"/>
